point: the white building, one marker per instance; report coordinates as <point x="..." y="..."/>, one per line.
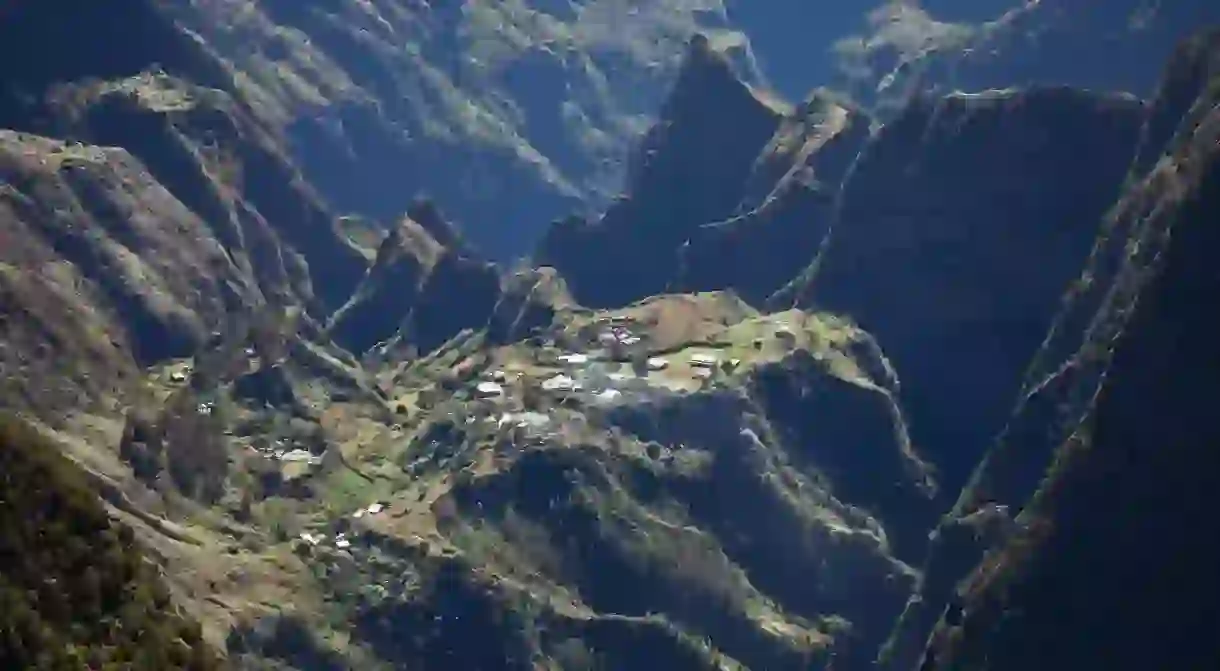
<point x="574" y="359"/>
<point x="560" y="383"/>
<point x="702" y="360"/>
<point x="657" y="363"/>
<point x="786" y="337"/>
<point x="299" y="455"/>
<point x="488" y="390"/>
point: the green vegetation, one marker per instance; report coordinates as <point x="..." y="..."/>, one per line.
<point x="75" y="591"/>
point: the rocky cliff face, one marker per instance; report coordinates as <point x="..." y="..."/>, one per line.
<point x="919" y="230"/>
<point x="691" y="169"/>
<point x="420" y="293"/>
<point x="782" y="217"/>
<point x="713" y="430"/>
<point x="508" y="115"/>
<point x="945" y="45"/>
<point x="943" y="219"/>
<point x="1075" y="441"/>
<point x="161" y="210"/>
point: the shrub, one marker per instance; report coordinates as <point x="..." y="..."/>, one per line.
<point x="75" y="590"/>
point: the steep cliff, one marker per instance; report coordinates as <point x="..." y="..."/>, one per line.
<point x="957" y="231"/>
<point x="157" y="207"/>
<point x="508" y="115"/>
<point x="711" y="430"/>
<point x="418" y="292"/>
<point x="1074" y="432"/>
<point x="383" y="300"/>
<point x="1121" y="483"/>
<point x="787" y="207"/>
<point x="692" y="168"/>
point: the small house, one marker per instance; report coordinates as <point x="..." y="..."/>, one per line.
<point x="560" y="383"/>
<point x="786" y="338"/>
<point x="488" y="389"/>
<point x="703" y="360"/>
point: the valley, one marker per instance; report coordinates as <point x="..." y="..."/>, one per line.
<point x="824" y="387"/>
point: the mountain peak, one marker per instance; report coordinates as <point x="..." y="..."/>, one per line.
<point x="699" y="46"/>
<point x="705" y="71"/>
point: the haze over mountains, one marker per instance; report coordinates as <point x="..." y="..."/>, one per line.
<point x="880" y="350"/>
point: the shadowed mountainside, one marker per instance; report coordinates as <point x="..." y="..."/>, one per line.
<point x="713" y="430"/>
<point x="691" y="168"/>
<point x="507" y="114"/>
<point x="1074" y="444"/>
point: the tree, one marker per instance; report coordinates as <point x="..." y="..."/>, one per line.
<point x="75" y="590"/>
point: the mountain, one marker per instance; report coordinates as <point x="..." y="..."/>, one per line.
<point x="1128" y="345"/>
<point x="508" y="115"/>
<point x="954" y="237"/>
<point x="692" y="168"/>
<point x="948" y="45"/>
<point x="921" y="229"/>
<point x="827" y="386"/>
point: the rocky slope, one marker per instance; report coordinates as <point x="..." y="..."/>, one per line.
<point x="938" y="232"/>
<point x="947" y="45"/>
<point x="921" y="229"/>
<point x="507" y="114"/>
<point x="692" y="168"/>
<point x="1076" y="468"/>
<point x="712" y="431"/>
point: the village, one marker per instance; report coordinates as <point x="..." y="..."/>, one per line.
<point x="528" y="395"/>
<point x="519" y="395"/>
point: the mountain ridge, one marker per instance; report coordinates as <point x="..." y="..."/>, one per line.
<point x="357" y="443"/>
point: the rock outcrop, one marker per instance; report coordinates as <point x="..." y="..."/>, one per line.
<point x="692" y="168"/>
<point x="785" y="212"/>
<point x="418" y="292"/>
